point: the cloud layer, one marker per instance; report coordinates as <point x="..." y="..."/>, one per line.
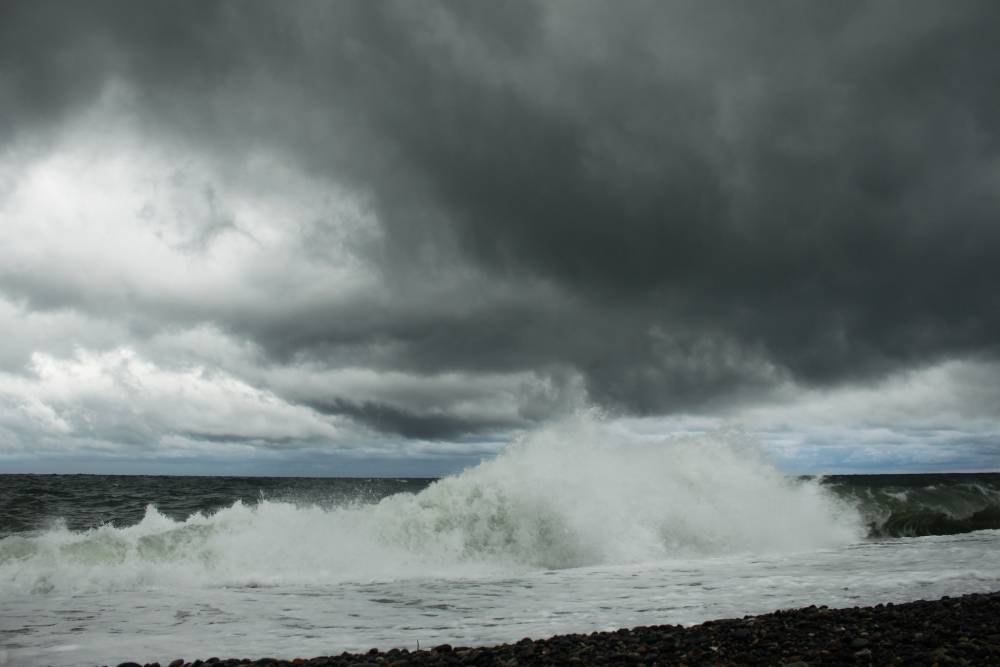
<point x="391" y="227"/>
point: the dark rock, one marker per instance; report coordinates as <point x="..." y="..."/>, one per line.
<point x="471" y="657"/>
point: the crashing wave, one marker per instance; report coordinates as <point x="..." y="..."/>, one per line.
<point x="580" y="493"/>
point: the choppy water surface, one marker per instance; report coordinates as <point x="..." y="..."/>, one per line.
<point x="574" y="529"/>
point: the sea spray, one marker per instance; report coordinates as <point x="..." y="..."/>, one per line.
<point x="577" y="493"/>
<point x="586" y="493"/>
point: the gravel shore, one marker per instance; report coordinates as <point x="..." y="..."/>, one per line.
<point x="951" y="631"/>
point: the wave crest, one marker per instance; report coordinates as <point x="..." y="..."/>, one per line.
<point x="576" y="494"/>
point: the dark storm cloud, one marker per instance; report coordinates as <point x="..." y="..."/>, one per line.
<point x="717" y="195"/>
<point x="391" y="419"/>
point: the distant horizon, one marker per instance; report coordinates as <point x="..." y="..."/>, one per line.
<point x="98" y="474"/>
<point x="442" y="475"/>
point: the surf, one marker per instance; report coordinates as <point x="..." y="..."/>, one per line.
<point x="575" y="494"/>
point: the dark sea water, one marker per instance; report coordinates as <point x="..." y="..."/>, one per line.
<point x="570" y="530"/>
<point x="81" y="502"/>
<point x="924" y="504"/>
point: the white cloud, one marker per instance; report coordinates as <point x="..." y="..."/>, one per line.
<point x="943" y="393"/>
<point x="59" y="332"/>
<point x="127" y="403"/>
<point x="106" y="219"/>
<point x="940" y="417"/>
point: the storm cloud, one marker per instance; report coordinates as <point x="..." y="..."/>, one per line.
<point x="438" y="221"/>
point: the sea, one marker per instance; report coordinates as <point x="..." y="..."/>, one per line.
<point x="566" y="531"/>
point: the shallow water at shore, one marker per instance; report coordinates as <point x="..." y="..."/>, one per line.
<point x="161" y="624"/>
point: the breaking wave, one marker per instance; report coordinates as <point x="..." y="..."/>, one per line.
<point x="916" y="505"/>
<point x="577" y="494"/>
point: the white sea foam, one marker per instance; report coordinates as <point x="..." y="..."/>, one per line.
<point x="580" y="493"/>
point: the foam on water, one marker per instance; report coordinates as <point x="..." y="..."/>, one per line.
<point x="576" y="494"/>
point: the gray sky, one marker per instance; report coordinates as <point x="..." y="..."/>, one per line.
<point x="386" y="237"/>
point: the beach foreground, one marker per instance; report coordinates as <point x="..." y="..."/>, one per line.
<point x="961" y="631"/>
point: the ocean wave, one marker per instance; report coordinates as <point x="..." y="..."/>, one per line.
<point x="577" y="494"/>
<point x="919" y="505"/>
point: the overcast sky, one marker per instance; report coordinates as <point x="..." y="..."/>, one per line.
<point x="374" y="237"/>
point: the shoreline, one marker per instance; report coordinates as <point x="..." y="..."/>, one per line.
<point x="951" y="630"/>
